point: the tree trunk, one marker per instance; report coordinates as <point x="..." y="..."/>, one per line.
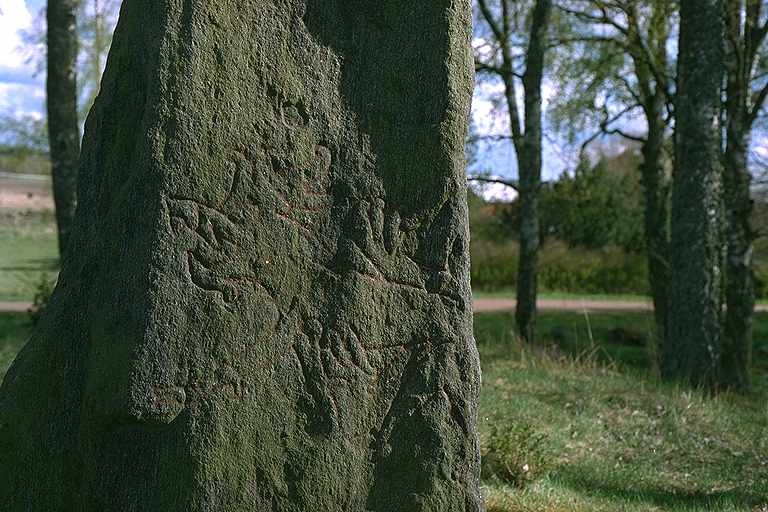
<point x="63" y="131"/>
<point x="656" y="186"/>
<point x="527" y="271"/>
<point x="745" y="37"/>
<point x="266" y="305"/>
<point x="692" y="352"/>
<point x="740" y="288"/>
<point x="529" y="172"/>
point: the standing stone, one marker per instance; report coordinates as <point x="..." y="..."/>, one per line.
<point x="267" y="304"/>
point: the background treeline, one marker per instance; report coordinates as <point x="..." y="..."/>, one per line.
<point x="591" y="230"/>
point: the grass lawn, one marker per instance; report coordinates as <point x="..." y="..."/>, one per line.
<point x="616" y="438"/>
<point x="28" y="253"/>
<point x="14" y="329"/>
<point x="509" y="293"/>
<point x="586" y="403"/>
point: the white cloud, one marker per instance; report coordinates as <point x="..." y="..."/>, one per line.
<point x="14" y="17"/>
<point x="22" y="99"/>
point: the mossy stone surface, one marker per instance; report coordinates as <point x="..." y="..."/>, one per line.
<point x="266" y="302"/>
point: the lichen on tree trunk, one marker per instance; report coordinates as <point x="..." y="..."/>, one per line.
<point x="745" y="36"/>
<point x="61" y="102"/>
<point x="529" y="160"/>
<point x="267" y="303"/>
<point x="657" y="187"/>
<point x="693" y="349"/>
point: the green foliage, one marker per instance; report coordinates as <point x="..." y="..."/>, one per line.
<point x="41" y="298"/>
<point x="561" y="269"/>
<point x="516" y="454"/>
<point x="488" y="220"/>
<point x="597" y="207"/>
<point x="609" y="270"/>
<point x="14" y="330"/>
<point x="600" y="73"/>
<point x="494" y="264"/>
<point x="23" y="144"/>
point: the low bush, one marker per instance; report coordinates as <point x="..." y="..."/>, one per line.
<point x="516" y="454"/>
<point x="42" y="297"/>
<point x="561" y="269"/>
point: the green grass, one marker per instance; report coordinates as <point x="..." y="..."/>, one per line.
<point x="509" y="293"/>
<point x="621" y="440"/>
<point x="14" y="329"/>
<point x="617" y="440"/>
<point x="28" y="253"/>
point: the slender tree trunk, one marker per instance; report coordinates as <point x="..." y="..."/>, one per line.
<point x="529" y="171"/>
<point x="655" y="178"/>
<point x="746" y="35"/>
<point x="63" y="131"/>
<point x="692" y="352"/>
<point x="740" y="289"/>
<point x="527" y="272"/>
<point x="656" y="185"/>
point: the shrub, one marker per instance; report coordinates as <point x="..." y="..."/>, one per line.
<point x="517" y="454"/>
<point x="494" y="265"/>
<point x="43" y="293"/>
<point x="561" y="269"/>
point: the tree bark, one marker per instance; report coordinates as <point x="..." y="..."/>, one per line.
<point x="740" y="287"/>
<point x="266" y="305"/>
<point x="61" y="100"/>
<point x="649" y="55"/>
<point x="693" y="351"/>
<point x="529" y="171"/>
<point x="657" y="189"/>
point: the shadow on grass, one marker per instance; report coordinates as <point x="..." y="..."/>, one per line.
<point x="579" y="480"/>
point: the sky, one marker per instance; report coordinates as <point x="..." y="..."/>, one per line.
<point x="22" y="90"/>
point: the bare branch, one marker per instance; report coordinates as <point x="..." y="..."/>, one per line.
<point x="486" y="179"/>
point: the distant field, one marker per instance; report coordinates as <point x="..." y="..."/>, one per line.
<point x="28" y="253"/>
<point x="28" y="246"/>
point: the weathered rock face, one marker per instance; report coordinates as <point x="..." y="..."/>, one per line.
<point x="266" y="306"/>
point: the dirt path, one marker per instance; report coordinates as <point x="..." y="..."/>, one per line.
<point x="482" y="305"/>
<point x="14" y="307"/>
<point x="25" y="192"/>
<point x="486" y="305"/>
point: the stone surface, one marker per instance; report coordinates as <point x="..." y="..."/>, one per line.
<point x="267" y="303"/>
